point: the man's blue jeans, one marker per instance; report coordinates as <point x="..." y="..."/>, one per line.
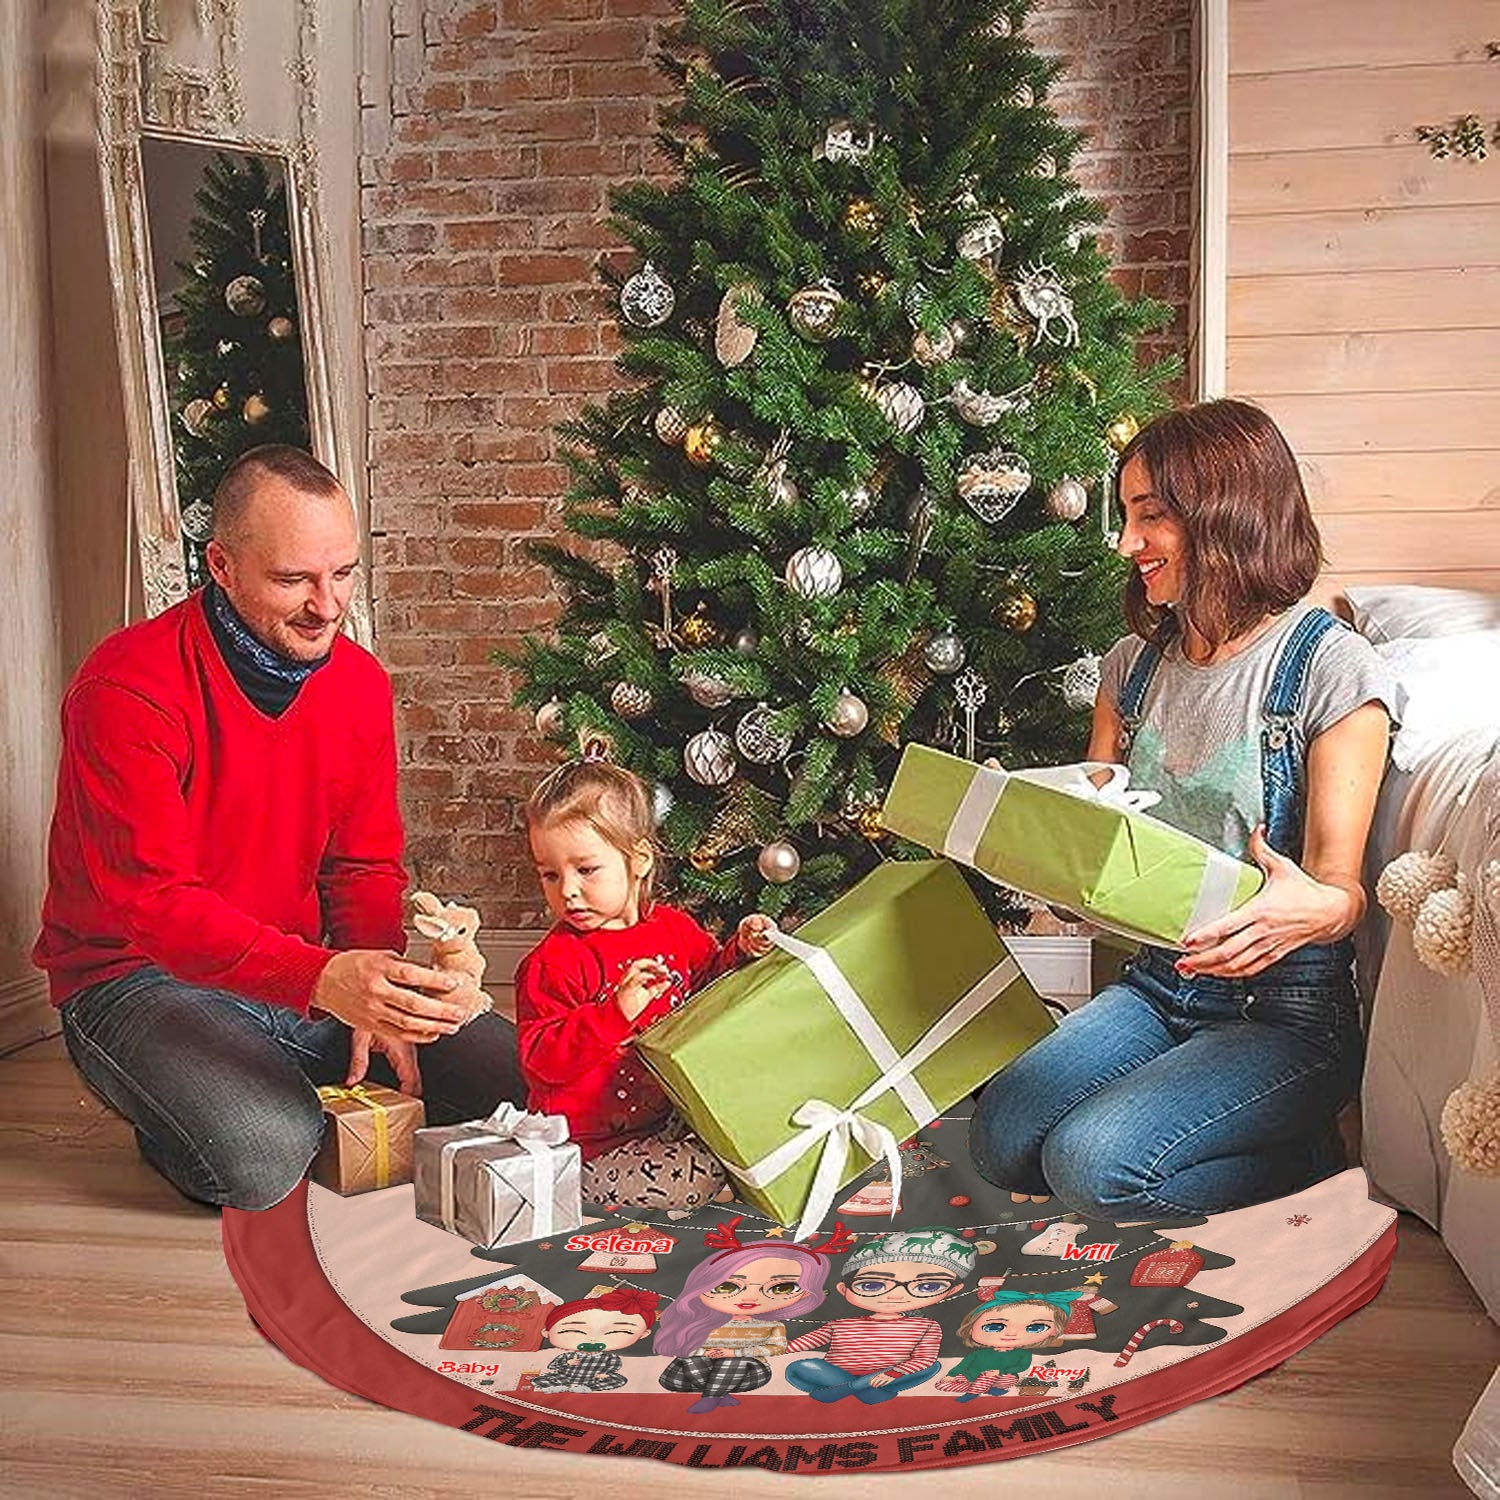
<point x="1165" y="1096"/>
<point x="222" y="1091"/>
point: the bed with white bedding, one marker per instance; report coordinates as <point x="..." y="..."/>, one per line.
<point x="1428" y="1032"/>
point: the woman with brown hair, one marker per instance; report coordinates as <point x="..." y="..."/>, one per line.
<point x="1210" y="1078"/>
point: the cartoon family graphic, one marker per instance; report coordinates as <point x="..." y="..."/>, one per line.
<point x="590" y="1331"/>
<point x="1002" y="1332"/>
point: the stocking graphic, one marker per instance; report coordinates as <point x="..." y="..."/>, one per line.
<point x="1054" y="1238"/>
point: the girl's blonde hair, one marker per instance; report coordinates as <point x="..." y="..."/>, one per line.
<point x="613" y="802"/>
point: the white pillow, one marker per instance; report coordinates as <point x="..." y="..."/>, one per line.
<point x="1387" y="612"/>
<point x="1448" y="685"/>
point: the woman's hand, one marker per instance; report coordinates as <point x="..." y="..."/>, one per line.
<point x="1290" y="910"/>
<point x="645" y="980"/>
<point x="754" y="934"/>
<point x="402" y="1056"/>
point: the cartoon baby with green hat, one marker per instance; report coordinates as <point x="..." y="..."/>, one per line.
<point x="1002" y="1331"/>
<point x="891" y="1279"/>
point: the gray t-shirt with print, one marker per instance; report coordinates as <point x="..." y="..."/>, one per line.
<point x="1198" y="740"/>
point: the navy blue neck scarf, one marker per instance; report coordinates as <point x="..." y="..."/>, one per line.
<point x="268" y="679"/>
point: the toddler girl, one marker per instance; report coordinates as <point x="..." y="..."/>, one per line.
<point x="615" y="961"/>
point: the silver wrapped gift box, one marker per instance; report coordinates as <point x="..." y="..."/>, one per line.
<point x="500" y="1181"/>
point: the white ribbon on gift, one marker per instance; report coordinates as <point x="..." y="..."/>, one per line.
<point x="1221" y="871"/>
<point x="835" y="1128"/>
<point x="536" y="1134"/>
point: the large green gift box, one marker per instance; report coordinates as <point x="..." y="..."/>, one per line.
<point x="801" y="1068"/>
<point x="1055" y="836"/>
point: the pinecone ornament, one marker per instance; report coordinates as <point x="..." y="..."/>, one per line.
<point x="1410" y="879"/>
<point x="1470" y="1125"/>
<point x="1443" y="933"/>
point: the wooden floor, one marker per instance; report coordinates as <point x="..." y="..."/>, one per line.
<point x="128" y="1368"/>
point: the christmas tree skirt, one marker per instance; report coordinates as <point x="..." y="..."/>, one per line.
<point x="645" y="1334"/>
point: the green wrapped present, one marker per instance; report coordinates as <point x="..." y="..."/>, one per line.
<point x="802" y="1068"/>
<point x="1054" y="835"/>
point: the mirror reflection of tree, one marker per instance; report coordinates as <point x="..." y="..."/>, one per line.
<point x="233" y="354"/>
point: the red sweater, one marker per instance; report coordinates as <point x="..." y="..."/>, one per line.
<point x="575" y="1042"/>
<point x="195" y="833"/>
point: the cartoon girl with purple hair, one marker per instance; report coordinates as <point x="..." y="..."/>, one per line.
<point x="728" y="1320"/>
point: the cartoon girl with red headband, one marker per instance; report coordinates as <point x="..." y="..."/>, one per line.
<point x="589" y="1331"/>
<point x="729" y="1319"/>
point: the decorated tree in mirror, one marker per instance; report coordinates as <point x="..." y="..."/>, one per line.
<point x="231" y="340"/>
<point x="853" y="490"/>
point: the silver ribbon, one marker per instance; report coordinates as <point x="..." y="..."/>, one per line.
<point x="536" y="1134"/>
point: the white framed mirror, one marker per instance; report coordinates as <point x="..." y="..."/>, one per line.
<point x="219" y="263"/>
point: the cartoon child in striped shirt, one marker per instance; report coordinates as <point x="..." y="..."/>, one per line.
<point x="891" y="1279"/>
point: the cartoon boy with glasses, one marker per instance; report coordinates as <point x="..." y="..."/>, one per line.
<point x="891" y="1279"/>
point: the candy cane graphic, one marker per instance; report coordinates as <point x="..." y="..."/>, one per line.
<point x="1134" y="1342"/>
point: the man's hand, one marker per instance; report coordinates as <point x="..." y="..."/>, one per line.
<point x="402" y="1056"/>
<point x="645" y="980"/>
<point x="382" y="993"/>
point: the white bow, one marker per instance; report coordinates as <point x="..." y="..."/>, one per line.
<point x="1078" y="781"/>
<point x="836" y="1128"/>
<point x="536" y="1134"/>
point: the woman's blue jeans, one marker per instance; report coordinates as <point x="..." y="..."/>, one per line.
<point x="1167" y="1096"/>
<point x="222" y="1091"/>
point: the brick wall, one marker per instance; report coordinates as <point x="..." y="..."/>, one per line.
<point x="484" y="190"/>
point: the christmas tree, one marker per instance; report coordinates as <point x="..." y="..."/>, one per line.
<point x="233" y="356"/>
<point x="856" y="492"/>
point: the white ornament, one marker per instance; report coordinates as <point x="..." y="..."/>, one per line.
<point x="846" y="141"/>
<point x="1040" y="292"/>
<point x="549" y="719"/>
<point x="901" y="405"/>
<point x="991" y="483"/>
<point x="930" y="349"/>
<point x="198" y="521"/>
<point x="1080" y="682"/>
<point x="647" y="298"/>
<point x="196" y="416"/>
<point x="944" y="654"/>
<point x="985" y="408"/>
<point x="1067" y="500"/>
<point x="735" y="339"/>
<point x="848" y="716"/>
<point x="245" y="296"/>
<point x="814" y="311"/>
<point x="759" y="739"/>
<point x="709" y="758"/>
<point x="630" y="700"/>
<point x="860" y="499"/>
<point x="745" y="642"/>
<point x="662" y="803"/>
<point x="1443" y="933"/>
<point x="983" y="241"/>
<point x="1411" y="878"/>
<point x="706" y="690"/>
<point x="778" y="862"/>
<point x="814" y="573"/>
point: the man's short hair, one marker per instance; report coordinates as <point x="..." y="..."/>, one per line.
<point x="295" y="466"/>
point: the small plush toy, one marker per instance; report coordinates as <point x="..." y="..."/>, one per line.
<point x="453" y="929"/>
<point x="1470" y="1122"/>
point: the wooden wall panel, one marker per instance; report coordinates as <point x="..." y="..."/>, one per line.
<point x="1363" y="303"/>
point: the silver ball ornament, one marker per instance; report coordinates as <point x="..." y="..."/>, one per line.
<point x="758" y="737"/>
<point x="647" y="298"/>
<point x="778" y="862"/>
<point x="549" y="719"/>
<point x="198" y="521"/>
<point x="746" y="642"/>
<point x="245" y="296"/>
<point x="848" y="716"/>
<point x="1080" y="682"/>
<point x="709" y="758"/>
<point x="814" y="573"/>
<point x="944" y="653"/>
<point x="1067" y="500"/>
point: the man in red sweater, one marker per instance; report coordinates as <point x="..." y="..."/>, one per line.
<point x="223" y="920"/>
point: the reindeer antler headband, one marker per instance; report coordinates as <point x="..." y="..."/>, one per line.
<point x="724" y="1239"/>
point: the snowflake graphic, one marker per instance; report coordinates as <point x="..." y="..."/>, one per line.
<point x="1298" y="1220"/>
